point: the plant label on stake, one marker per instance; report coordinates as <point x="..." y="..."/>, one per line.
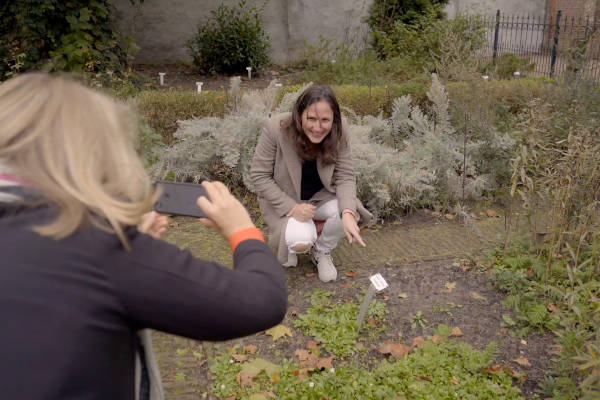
<point x="161" y="78"/>
<point x="377" y="285"/>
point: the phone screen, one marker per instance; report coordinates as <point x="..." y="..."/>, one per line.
<point x="180" y="198"/>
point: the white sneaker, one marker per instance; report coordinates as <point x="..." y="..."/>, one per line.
<point x="324" y="263"/>
<point x="292" y="260"/>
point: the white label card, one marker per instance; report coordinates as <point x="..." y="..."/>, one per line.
<point x="378" y="282"/>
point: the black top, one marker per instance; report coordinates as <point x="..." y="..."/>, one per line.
<point x="311" y="181"/>
<point x="69" y="308"/>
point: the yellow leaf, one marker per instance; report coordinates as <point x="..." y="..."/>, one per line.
<point x="456" y="332"/>
<point x="449" y="216"/>
<point x="522" y="361"/>
<point x="279" y="331"/>
<point x="450" y="286"/>
<point x="403" y="295"/>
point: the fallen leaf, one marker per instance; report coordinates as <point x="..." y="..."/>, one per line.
<point x="240" y="357"/>
<point x="474" y="216"/>
<point x="449" y="216"/>
<point x="309" y="274"/>
<point x="403" y="295"/>
<point x="278" y="332"/>
<point x="245" y="379"/>
<point x="419" y="341"/>
<point x="522" y="361"/>
<point x="493" y="369"/>
<point x="465" y="265"/>
<point x="491" y="213"/>
<point x="386" y="298"/>
<point x="529" y="271"/>
<point x="325" y="362"/>
<point x="294" y="311"/>
<point x="312" y="344"/>
<point x="301" y="374"/>
<point x="398" y="350"/>
<point x="425" y="378"/>
<point x="436" y="339"/>
<point x="352" y="273"/>
<point x="371" y="321"/>
<point x="252" y="368"/>
<point x="174" y="224"/>
<point x="455" y="332"/>
<point x="345" y="285"/>
<point x="201" y="362"/>
<point x="450" y="286"/>
<point x="262" y="396"/>
<point x="479" y="297"/>
<point x="453" y="380"/>
<point x="306" y="358"/>
<point x="551" y="307"/>
<point x="514" y="373"/>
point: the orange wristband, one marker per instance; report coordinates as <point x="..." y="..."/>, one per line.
<point x="245" y="234"/>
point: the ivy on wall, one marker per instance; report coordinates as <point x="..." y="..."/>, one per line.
<point x="73" y="35"/>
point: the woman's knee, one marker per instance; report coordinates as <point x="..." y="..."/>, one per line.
<point x="300" y="236"/>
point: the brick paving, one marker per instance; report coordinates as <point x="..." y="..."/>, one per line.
<point x="394" y="243"/>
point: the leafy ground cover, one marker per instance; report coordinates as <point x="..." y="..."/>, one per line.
<point x="438" y="330"/>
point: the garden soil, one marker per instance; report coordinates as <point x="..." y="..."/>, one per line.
<point x="433" y="265"/>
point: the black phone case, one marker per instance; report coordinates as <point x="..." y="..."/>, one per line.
<point x="179" y="198"/>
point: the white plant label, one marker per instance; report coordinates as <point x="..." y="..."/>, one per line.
<point x="378" y="282"/>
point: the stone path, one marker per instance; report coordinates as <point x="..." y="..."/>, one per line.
<point x="436" y="239"/>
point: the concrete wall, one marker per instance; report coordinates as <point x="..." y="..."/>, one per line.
<point x="162" y="27"/>
<point x="522" y="7"/>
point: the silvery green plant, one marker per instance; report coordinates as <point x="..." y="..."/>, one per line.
<point x="412" y="159"/>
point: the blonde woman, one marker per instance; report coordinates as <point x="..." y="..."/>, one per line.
<point x="77" y="279"/>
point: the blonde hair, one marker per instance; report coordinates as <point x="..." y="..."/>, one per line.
<point x="76" y="147"/>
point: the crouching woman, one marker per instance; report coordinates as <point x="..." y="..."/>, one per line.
<point x="303" y="175"/>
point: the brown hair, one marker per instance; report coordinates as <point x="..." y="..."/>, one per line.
<point x="307" y="150"/>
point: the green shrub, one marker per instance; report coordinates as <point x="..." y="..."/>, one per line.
<point x="421" y="40"/>
<point x="76" y="35"/>
<point x="164" y="108"/>
<point x="384" y="14"/>
<point x="364" y="69"/>
<point x="231" y="40"/>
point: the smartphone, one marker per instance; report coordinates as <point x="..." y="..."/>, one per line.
<point x="179" y="198"/>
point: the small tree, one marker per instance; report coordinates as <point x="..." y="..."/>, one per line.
<point x="231" y="40"/>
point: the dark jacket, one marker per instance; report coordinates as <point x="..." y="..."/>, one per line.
<point x="70" y="308"/>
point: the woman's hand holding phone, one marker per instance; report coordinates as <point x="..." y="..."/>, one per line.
<point x="153" y="224"/>
<point x="225" y="213"/>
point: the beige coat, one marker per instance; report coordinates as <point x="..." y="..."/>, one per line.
<point x="276" y="173"/>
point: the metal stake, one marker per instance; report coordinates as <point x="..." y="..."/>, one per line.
<point x="377" y="285"/>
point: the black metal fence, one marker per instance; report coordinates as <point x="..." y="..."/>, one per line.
<point x="555" y="46"/>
